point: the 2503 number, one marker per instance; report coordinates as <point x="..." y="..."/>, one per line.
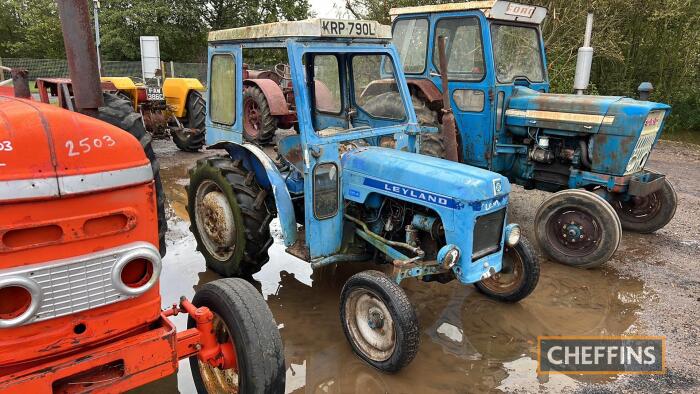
<point x="86" y="145"/>
<point x="6" y="146"/>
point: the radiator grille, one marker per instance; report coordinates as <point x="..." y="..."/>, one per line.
<point x="642" y="149"/>
<point x="487" y="234"/>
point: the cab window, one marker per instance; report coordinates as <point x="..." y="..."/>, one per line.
<point x="410" y="36"/>
<point x="379" y="97"/>
<point x="222" y="90"/>
<point x="464" y="51"/>
<point x="516" y="51"/>
<point x="327" y="84"/>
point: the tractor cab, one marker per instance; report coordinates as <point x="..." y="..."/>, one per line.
<point x="491" y="47"/>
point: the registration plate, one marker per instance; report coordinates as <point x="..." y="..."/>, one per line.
<point x="154" y="94"/>
<point x="348" y="28"/>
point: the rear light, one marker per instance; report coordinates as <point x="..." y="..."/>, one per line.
<point x="136" y="271"/>
<point x="141" y="95"/>
<point x="19" y="300"/>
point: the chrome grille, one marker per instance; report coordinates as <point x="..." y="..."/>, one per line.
<point x="642" y="150"/>
<point x="81" y="283"/>
<point x="75" y="287"/>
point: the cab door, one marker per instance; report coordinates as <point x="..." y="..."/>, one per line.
<point x="468" y="83"/>
<point x="323" y="75"/>
<point x="224" y="94"/>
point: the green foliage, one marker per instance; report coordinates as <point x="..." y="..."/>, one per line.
<point x="31" y="28"/>
<point x="634" y="41"/>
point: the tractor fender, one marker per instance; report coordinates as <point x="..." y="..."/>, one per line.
<point x="270" y="179"/>
<point x="426" y="89"/>
<point x="273" y="94"/>
<point x="176" y="91"/>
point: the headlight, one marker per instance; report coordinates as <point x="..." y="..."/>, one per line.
<point x="136" y="271"/>
<point x="19" y="300"/>
<point x="512" y="234"/>
<point x="448" y="256"/>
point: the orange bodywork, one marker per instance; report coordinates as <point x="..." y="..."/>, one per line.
<point x="71" y="188"/>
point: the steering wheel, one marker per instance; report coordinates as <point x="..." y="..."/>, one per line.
<point x="283" y="71"/>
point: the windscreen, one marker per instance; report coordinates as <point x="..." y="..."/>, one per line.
<point x="516" y="52"/>
<point x="410" y="36"/>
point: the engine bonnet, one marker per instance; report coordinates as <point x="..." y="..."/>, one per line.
<point x="396" y="169"/>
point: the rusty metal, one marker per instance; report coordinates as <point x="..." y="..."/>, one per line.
<point x="428" y="89"/>
<point x="81" y="54"/>
<point x="449" y="126"/>
<point x="20" y="82"/>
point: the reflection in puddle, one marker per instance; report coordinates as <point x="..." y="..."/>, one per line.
<point x="469" y="343"/>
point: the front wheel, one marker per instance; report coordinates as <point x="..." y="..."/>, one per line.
<point x="229" y="216"/>
<point x="242" y="318"/>
<point x="578" y="228"/>
<point x="518" y="276"/>
<point x="379" y="321"/>
<point x="648" y="213"/>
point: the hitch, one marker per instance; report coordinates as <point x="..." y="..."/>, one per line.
<point x="201" y="340"/>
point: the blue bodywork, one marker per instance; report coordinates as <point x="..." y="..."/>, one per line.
<point x="457" y="194"/>
<point x="501" y="134"/>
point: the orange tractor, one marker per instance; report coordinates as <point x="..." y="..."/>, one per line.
<point x="81" y="239"/>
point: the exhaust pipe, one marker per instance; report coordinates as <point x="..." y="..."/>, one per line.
<point x="449" y="127"/>
<point x="584" y="59"/>
<point x="81" y="54"/>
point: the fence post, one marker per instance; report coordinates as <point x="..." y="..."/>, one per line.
<point x="2" y="72"/>
<point x="172" y="69"/>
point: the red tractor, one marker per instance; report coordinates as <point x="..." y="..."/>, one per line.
<point x="268" y="102"/>
<point x="82" y="231"/>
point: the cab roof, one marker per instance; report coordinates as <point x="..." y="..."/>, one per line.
<point x="308" y="29"/>
<point x="494" y="9"/>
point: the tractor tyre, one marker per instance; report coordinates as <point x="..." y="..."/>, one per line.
<point x="119" y="112"/>
<point x="431" y="144"/>
<point x="379" y="321"/>
<point x="578" y="228"/>
<point x="518" y="276"/>
<point x="242" y="318"/>
<point x="229" y="216"/>
<point x="194" y="120"/>
<point x="259" y="125"/>
<point x="649" y="213"/>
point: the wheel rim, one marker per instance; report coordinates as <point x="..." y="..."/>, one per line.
<point x="218" y="380"/>
<point x="574" y="232"/>
<point x="370" y="324"/>
<point x="252" y="118"/>
<point x="638" y="209"/>
<point x="215" y="222"/>
<point x="511" y="274"/>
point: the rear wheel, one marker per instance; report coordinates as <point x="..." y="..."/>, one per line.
<point x="518" y="276"/>
<point x="379" y="321"/>
<point x="259" y="125"/>
<point x="648" y="213"/>
<point x="119" y="112"/>
<point x="242" y="318"/>
<point x="229" y="216"/>
<point x="431" y="144"/>
<point x="192" y="140"/>
<point x="578" y="228"/>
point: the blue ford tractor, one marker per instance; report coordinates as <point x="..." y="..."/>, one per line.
<point x="589" y="150"/>
<point x="349" y="185"/>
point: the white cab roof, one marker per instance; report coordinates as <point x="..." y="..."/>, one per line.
<point x="496" y="9"/>
<point x="309" y="28"/>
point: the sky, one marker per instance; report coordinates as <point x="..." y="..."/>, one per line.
<point x="327" y="8"/>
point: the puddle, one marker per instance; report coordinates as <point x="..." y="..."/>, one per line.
<point x="468" y="342"/>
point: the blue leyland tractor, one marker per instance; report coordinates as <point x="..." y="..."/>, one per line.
<point x="589" y="150"/>
<point x="349" y="186"/>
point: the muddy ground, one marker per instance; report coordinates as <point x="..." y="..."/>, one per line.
<point x="470" y="343"/>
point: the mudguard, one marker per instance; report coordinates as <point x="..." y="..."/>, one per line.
<point x="273" y="94"/>
<point x="176" y="90"/>
<point x="269" y="177"/>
